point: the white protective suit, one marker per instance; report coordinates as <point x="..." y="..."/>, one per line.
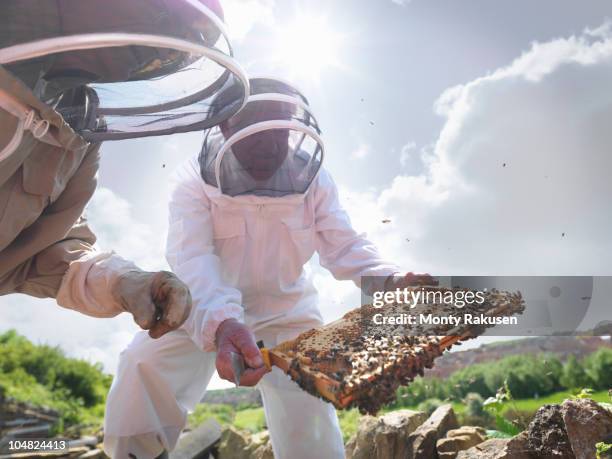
<point x="242" y="253"/>
<point x="242" y="257"/>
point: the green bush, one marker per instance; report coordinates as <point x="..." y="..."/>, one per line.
<point x="222" y="413"/>
<point x="429" y="406"/>
<point x="43" y="376"/>
<point x="574" y="375"/>
<point x="474" y="404"/>
<point x="349" y="422"/>
<point x="598" y="367"/>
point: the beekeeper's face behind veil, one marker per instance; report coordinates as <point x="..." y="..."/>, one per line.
<point x="112" y="69"/>
<point x="271" y="148"/>
<point x="261" y="154"/>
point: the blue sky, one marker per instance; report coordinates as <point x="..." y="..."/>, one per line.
<point x="421" y="103"/>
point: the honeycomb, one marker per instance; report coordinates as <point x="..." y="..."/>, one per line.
<point x="353" y="366"/>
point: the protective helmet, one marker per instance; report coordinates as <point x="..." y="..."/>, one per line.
<point x="272" y="147"/>
<point x="117" y="69"/>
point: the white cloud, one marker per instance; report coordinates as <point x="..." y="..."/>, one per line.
<point x="518" y="180"/>
<point x="401" y="2"/>
<point x="407" y="154"/>
<point x="111" y="218"/>
<point x="242" y="15"/>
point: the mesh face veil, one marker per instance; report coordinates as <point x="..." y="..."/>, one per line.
<point x="271" y="148"/>
<point x="123" y="69"/>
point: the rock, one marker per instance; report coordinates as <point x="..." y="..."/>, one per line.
<point x="498" y="448"/>
<point x="264" y="452"/>
<point x="197" y="442"/>
<point x="362" y="443"/>
<point x="566" y="431"/>
<point x="422" y="442"/>
<point x="458" y="440"/>
<point x="546" y="435"/>
<point x="234" y="444"/>
<point x="586" y="423"/>
<point x="569" y="430"/>
<point x="260" y="438"/>
<point x="384" y="437"/>
<point x="93" y="454"/>
<point x="259" y="446"/>
<point x="471" y="431"/>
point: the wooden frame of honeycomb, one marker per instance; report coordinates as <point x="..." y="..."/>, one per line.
<point x="344" y="366"/>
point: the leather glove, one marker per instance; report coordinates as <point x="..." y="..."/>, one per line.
<point x="233" y="336"/>
<point x="159" y="301"/>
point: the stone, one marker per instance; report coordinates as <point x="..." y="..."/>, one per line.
<point x="93" y="454"/>
<point x="471" y="431"/>
<point x="384" y="437"/>
<point x="586" y="423"/>
<point x="546" y="435"/>
<point x="498" y="448"/>
<point x="422" y="442"/>
<point x="197" y="442"/>
<point x="264" y="452"/>
<point x="458" y="440"/>
<point x="234" y="444"/>
<point x="566" y="431"/>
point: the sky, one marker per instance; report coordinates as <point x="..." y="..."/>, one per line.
<point x="478" y="129"/>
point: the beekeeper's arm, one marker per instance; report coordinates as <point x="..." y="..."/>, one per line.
<point x="81" y="278"/>
<point x="347" y="254"/>
<point x="216" y="320"/>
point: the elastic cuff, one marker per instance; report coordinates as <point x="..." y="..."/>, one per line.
<point x="87" y="285"/>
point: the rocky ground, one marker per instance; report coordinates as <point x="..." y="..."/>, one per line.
<point x="22" y="421"/>
<point x="564" y="431"/>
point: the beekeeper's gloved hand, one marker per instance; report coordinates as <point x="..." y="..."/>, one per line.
<point x="401" y="281"/>
<point x="233" y="336"/>
<point x="159" y="301"/>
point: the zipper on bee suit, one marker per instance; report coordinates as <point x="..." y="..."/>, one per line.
<point x="259" y="244"/>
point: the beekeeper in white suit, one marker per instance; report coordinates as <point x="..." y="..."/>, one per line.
<point x="246" y="215"/>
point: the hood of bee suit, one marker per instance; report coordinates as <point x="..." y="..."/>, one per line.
<point x="124" y="69"/>
<point x="272" y="148"/>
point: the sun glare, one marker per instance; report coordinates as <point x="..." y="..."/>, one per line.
<point x="307" y="47"/>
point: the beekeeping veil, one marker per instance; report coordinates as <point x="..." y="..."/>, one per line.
<point x="271" y="148"/>
<point x="116" y="69"/>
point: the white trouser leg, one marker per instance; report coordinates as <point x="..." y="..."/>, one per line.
<point x="301" y="426"/>
<point x="158" y="381"/>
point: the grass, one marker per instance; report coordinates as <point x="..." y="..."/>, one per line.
<point x="251" y="419"/>
<point x="349" y="421"/>
<point x="532" y="404"/>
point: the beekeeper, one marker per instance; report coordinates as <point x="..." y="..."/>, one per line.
<point x="74" y="73"/>
<point x="246" y="215"/>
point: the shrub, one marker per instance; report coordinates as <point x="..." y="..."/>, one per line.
<point x="430" y="405"/>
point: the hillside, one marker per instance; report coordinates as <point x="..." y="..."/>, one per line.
<point x="560" y="346"/>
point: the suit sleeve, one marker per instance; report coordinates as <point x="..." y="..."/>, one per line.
<point x="347" y="254"/>
<point x="71" y="270"/>
<point x="190" y="254"/>
<point x="59" y="236"/>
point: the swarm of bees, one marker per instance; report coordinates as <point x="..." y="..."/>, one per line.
<point x="351" y="365"/>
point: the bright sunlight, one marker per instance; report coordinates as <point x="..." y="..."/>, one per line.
<point x="308" y="46"/>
